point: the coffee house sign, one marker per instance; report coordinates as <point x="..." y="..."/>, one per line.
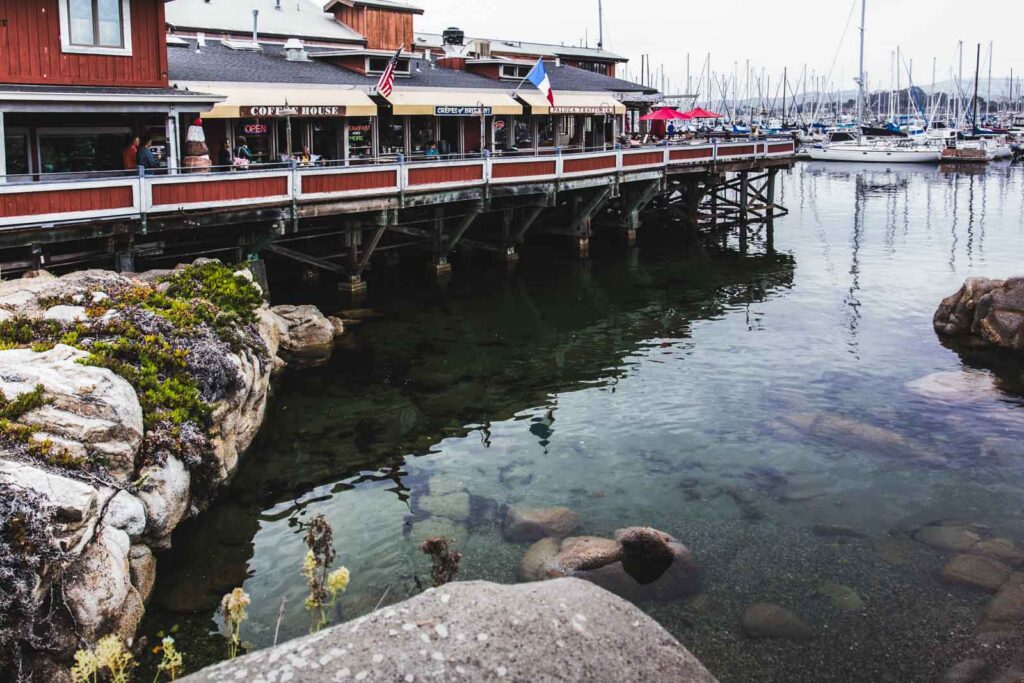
<point x="276" y="112"/>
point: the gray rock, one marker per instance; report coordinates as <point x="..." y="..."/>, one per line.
<point x="127" y="513"/>
<point x="967" y="671"/>
<point x="537" y="557"/>
<point x="563" y="630"/>
<point x="842" y="597"/>
<point x="533" y="524"/>
<point x="66" y="315"/>
<point x="98" y="583"/>
<point x="1005" y="611"/>
<point x="966" y="386"/>
<point x="764" y="620"/>
<point x="306" y="335"/>
<point x="976" y="571"/>
<point x="451" y="505"/>
<point x="985" y="313"/>
<point x="954" y="536"/>
<point x="142" y="566"/>
<point x="91" y="410"/>
<point x="165" y="495"/>
<point x="860" y="435"/>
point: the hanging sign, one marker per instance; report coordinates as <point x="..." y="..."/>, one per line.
<point x="277" y="112"/>
<point x="462" y="111"/>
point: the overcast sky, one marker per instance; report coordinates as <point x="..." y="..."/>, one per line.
<point x="783" y="33"/>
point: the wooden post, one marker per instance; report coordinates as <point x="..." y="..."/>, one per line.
<point x="171" y="132"/>
<point x="744" y="199"/>
<point x="770" y="224"/>
<point x="510" y="256"/>
<point x="3" y="151"/>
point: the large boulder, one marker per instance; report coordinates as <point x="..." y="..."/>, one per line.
<point x="306" y="335"/>
<point x="98" y="586"/>
<point x="91" y="412"/>
<point x="985" y="312"/>
<point x="564" y="630"/>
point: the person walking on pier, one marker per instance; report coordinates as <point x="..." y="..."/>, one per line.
<point x="225" y="157"/>
<point x="130" y="155"/>
<point x="243" y="155"/>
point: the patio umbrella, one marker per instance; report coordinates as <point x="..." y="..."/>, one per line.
<point x="663" y="114"/>
<point x="700" y="113"/>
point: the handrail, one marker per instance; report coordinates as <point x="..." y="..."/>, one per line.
<point x="87" y="197"/>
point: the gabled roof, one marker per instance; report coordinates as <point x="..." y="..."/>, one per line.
<point x="518" y="47"/>
<point x="295" y="18"/>
<point x="383" y="4"/>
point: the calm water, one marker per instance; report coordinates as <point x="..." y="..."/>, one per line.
<point x="665" y="387"/>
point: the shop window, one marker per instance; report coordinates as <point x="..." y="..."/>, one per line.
<point x="96" y="26"/>
<point x="18" y="158"/>
<point x="82" y="150"/>
<point x="546" y="132"/>
<point x="392" y="134"/>
<point x="360" y="138"/>
<point x="424" y="133"/>
<point x="326" y="140"/>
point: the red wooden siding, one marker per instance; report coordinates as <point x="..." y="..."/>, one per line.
<point x="684" y="154"/>
<point x="592" y="164"/>
<point x="219" y="191"/>
<point x="645" y="159"/>
<point x="349" y="182"/>
<point x="65" y="201"/>
<point x="30" y="48"/>
<point x="533" y="168"/>
<point x="779" y="148"/>
<point x="383" y="29"/>
<point x="736" y="151"/>
<point x="436" y="176"/>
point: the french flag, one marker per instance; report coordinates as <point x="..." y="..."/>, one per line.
<point x="539" y="77"/>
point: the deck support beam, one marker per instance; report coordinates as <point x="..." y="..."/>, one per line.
<point x="634" y="201"/>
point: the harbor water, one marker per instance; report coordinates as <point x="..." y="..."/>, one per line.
<point x="788" y="413"/>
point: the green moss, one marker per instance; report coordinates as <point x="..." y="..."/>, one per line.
<point x="213" y="282"/>
<point x="22" y="437"/>
<point x="22" y="404"/>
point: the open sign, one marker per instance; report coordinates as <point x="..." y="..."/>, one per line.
<point x="255" y="129"/>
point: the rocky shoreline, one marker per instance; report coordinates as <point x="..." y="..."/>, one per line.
<point x="127" y="401"/>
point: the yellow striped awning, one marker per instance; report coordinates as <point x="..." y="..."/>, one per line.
<point x="246" y="100"/>
<point x="451" y="102"/>
<point x="583" y="103"/>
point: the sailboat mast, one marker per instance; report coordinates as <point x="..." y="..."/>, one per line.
<point x="860" y="75"/>
<point x="600" y="25"/>
<point x="974" y="104"/>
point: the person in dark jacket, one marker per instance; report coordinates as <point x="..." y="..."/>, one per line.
<point x="225" y="158"/>
<point x="146" y="158"/>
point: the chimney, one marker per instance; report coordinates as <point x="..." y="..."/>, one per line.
<point x="200" y="41"/>
<point x="295" y="51"/>
<point x="255" y="26"/>
<point x="483" y="48"/>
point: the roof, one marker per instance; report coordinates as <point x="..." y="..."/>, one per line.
<point x="386" y="4"/>
<point x="518" y="47"/>
<point x="96" y="93"/>
<point x="295" y="18"/>
<point x="218" y="63"/>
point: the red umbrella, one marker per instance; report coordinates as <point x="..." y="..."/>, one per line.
<point x="663" y="114"/>
<point x="700" y="113"/>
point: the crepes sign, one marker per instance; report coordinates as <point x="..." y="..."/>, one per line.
<point x="446" y="110"/>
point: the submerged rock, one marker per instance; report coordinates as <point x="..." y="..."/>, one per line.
<point x="966" y="386"/>
<point x="765" y="620"/>
<point x="533" y="565"/>
<point x="1005" y="611"/>
<point x="976" y="571"/>
<point x="985" y="313"/>
<point x="307" y="337"/>
<point x="955" y="536"/>
<point x="842" y="597"/>
<point x="579" y="553"/>
<point x="860" y="435"/>
<point x="454" y="505"/>
<point x="564" y="630"/>
<point x="532" y="524"/>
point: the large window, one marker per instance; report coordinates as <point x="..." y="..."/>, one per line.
<point x="68" y="150"/>
<point x="376" y="65"/>
<point x="515" y="71"/>
<point x="96" y="26"/>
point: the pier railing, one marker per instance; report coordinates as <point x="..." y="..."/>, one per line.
<point x="76" y="198"/>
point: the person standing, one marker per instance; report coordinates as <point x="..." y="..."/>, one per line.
<point x="243" y="155"/>
<point x="145" y="158"/>
<point x="130" y="155"/>
<point x="225" y="158"/>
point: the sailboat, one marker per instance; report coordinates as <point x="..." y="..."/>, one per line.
<point x="885" y="149"/>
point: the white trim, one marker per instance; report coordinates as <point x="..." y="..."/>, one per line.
<point x="126" y="34"/>
<point x="3" y="150"/>
<point x="62" y="96"/>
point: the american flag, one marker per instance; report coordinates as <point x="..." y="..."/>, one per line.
<point x="387" y="79"/>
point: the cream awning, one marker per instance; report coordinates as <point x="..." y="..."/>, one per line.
<point x="449" y="102"/>
<point x="573" y="103"/>
<point x="270" y="98"/>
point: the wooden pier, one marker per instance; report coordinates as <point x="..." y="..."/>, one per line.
<point x="337" y="218"/>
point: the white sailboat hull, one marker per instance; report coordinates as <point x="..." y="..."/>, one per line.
<point x="875" y="155"/>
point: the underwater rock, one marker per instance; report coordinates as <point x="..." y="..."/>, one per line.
<point x="1005" y="611"/>
<point x="954" y="536"/>
<point x="438" y="527"/>
<point x="854" y="434"/>
<point x="837" y="531"/>
<point x="307" y="337"/>
<point x="976" y="571"/>
<point x="966" y="386"/>
<point x="1000" y="549"/>
<point x="454" y="505"/>
<point x="532" y="524"/>
<point x="646" y="544"/>
<point x="538" y="555"/>
<point x="765" y="620"/>
<point x="842" y="597"/>
<point x="562" y="630"/>
<point x="985" y="312"/>
<point x="967" y="671"/>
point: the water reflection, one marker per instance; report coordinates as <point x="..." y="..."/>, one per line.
<point x="749" y="405"/>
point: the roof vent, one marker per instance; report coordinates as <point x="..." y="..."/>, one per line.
<point x="295" y="51"/>
<point x="244" y="45"/>
<point x="483" y="48"/>
<point x="454" y="36"/>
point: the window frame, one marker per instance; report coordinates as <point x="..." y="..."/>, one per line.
<point x="518" y="72"/>
<point x="66" y="45"/>
<point x="399" y="71"/>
